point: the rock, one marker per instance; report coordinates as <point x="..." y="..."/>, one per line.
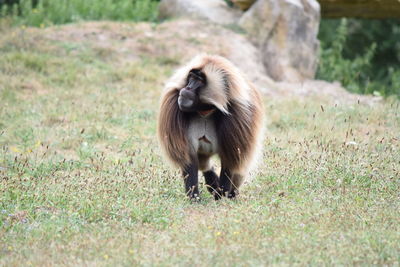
<point x="216" y="11"/>
<point x="286" y="33"/>
<point x="332" y="92"/>
<point x="174" y="42"/>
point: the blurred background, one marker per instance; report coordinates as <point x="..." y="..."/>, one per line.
<point x="359" y="40"/>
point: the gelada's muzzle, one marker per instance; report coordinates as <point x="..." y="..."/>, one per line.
<point x="187" y="100"/>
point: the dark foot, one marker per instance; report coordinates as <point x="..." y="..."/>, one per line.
<point x="193" y="193"/>
<point x="218" y="194"/>
<point x="232" y="194"/>
<point x="194" y="198"/>
<point x="229" y="194"/>
<point x="212" y="184"/>
<point x="191" y="182"/>
<point x="225" y="182"/>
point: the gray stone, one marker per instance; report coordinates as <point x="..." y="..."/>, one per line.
<point x="286" y="33"/>
<point x="216" y="11"/>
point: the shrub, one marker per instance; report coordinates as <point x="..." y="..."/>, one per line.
<point x="364" y="55"/>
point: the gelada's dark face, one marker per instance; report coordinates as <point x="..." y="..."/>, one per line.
<point x="188" y="100"/>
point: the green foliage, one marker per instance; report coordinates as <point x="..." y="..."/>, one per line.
<point x="229" y="3"/>
<point x="8" y="2"/>
<point x="364" y="55"/>
<point x="48" y="12"/>
<point x="350" y="72"/>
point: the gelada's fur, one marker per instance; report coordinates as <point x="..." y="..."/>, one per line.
<point x="239" y="121"/>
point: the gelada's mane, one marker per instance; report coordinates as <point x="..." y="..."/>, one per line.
<point x="239" y="120"/>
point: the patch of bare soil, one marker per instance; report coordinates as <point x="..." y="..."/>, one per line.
<point x="179" y="40"/>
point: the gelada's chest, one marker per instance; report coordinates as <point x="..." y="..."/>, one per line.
<point x="203" y="135"/>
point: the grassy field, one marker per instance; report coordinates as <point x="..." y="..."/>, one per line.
<point x="82" y="181"/>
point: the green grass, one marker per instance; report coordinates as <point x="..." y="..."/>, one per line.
<point x="49" y="12"/>
<point x="82" y="181"/>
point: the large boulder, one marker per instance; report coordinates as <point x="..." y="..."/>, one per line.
<point x="286" y="33"/>
<point x="213" y="10"/>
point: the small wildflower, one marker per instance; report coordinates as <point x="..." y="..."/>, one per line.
<point x="105" y="257"/>
<point x="14" y="149"/>
<point x="351" y="143"/>
<point x="10" y="248"/>
<point x="131" y="251"/>
<point x="209" y="227"/>
<point x="42" y="25"/>
<point x="217" y="233"/>
<point x="23" y="27"/>
<point x="236" y="233"/>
